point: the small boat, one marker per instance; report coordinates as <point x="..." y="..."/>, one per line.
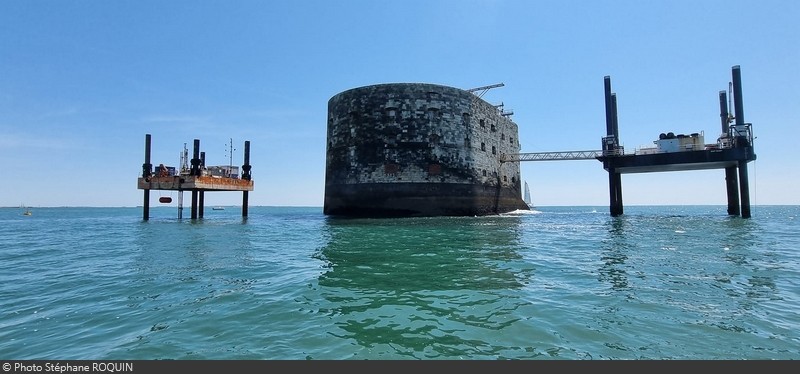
<point x="218" y="208"/>
<point x="27" y="212"/>
<point x="527" y="197"/>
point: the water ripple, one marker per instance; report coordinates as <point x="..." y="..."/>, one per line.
<point x="290" y="283"/>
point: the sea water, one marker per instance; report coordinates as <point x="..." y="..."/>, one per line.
<point x="288" y="283"/>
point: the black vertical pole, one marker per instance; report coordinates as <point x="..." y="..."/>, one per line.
<point x="244" y="203"/>
<point x="619" y="194"/>
<point x="744" y="189"/>
<point x="614" y="119"/>
<point x="731" y="181"/>
<point x="246" y="176"/>
<point x="614" y="191"/>
<point x="737" y="95"/>
<point x="723" y="112"/>
<point x="147" y="170"/>
<point x="195" y="170"/>
<point x="617" y="176"/>
<point x="731" y="185"/>
<point x="202" y="193"/>
<point x="195" y="173"/>
<point x="609" y="107"/>
<point x="194" y="203"/>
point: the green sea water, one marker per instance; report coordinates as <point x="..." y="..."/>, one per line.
<point x="288" y="283"/>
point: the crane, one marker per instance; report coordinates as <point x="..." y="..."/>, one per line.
<point x="484" y="89"/>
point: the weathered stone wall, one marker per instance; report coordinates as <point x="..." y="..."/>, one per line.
<point x="414" y="133"/>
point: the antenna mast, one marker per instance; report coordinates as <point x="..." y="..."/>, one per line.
<point x="230" y="154"/>
<point x="184" y="160"/>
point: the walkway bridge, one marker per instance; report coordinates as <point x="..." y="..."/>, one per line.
<point x="551" y="156"/>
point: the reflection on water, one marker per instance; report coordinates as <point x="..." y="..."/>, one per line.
<point x="182" y="271"/>
<point x="402" y="255"/>
<point x="424" y="287"/>
<point x="614" y="254"/>
<point x="710" y="272"/>
<point x="753" y="257"/>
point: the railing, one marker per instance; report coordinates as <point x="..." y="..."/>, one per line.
<point x="551" y="156"/>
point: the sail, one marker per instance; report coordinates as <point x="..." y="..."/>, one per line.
<point x="527" y="197"/>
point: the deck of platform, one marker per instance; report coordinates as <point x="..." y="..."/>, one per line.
<point x="190" y="183"/>
<point x="678" y="161"/>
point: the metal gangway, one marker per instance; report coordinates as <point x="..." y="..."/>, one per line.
<point x="551" y="156"/>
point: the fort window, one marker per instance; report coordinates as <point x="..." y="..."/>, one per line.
<point x="502" y="136"/>
<point x="484" y="173"/>
<point x="494" y="150"/>
<point x="391" y="168"/>
<point x="505" y="178"/>
<point x="511" y="139"/>
<point x="483" y="146"/>
<point x="483" y="124"/>
<point x="494" y="128"/>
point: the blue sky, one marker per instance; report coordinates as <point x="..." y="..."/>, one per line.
<point x="82" y="82"/>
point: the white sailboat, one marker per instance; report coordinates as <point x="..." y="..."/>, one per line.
<point x="527" y="196"/>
